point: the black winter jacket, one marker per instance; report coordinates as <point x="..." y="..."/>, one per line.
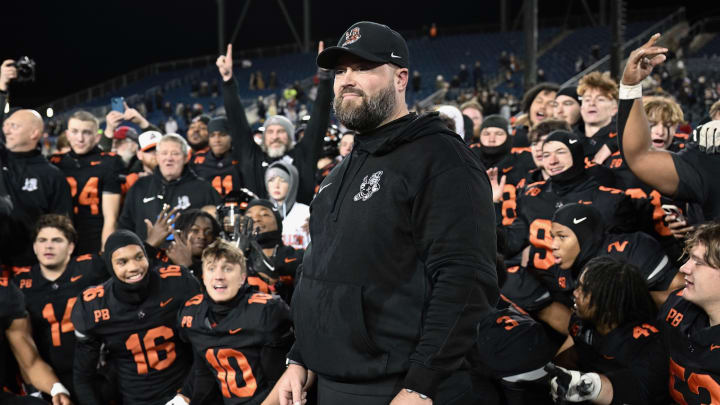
<point x="146" y="198"/>
<point x="401" y="266"/>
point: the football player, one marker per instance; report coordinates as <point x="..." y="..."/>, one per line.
<point x="51" y="288"/>
<point x="578" y="236"/>
<point x="133" y="315"/>
<point x="15" y="327"/>
<point x="239" y="336"/>
<point x="615" y="338"/>
<point x="95" y="184"/>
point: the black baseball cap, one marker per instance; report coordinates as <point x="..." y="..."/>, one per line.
<point x="370" y="41"/>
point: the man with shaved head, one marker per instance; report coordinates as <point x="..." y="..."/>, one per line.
<point x="30" y="186"/>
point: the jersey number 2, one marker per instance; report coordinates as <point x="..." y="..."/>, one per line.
<point x="145" y="352"/>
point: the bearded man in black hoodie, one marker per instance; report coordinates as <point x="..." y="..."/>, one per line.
<point x="400" y="267"/>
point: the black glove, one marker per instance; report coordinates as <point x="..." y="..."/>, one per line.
<point x="243" y="234"/>
<point x="262" y="265"/>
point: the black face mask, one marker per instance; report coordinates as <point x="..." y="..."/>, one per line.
<point x="586" y="223"/>
<point x="576" y="150"/>
<point x="270" y="239"/>
<point x="134" y="293"/>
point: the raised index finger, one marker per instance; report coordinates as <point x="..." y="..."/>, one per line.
<point x="652" y="40"/>
<point x="228" y="54"/>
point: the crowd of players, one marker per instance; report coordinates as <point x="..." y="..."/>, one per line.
<point x="168" y="276"/>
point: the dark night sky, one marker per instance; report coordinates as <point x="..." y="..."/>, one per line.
<point x="81" y="43"/>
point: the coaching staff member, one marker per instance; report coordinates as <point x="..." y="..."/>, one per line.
<point x="401" y="267"/>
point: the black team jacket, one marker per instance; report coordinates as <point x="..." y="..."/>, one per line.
<point x="401" y="266"/>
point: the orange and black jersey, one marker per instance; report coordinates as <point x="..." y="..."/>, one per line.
<point x="630" y="356"/>
<point x="616" y="350"/>
<point x="142" y="339"/>
<point x="90" y="176"/>
<point x="693" y="347"/>
<point x="515" y="166"/>
<point x="637" y="248"/>
<point x="539" y="201"/>
<point x="627" y="181"/>
<point x="244" y="352"/>
<point x="50" y="304"/>
<point x="285" y="262"/>
<point x="223" y="173"/>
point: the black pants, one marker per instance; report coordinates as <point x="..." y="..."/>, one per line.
<point x="454" y="390"/>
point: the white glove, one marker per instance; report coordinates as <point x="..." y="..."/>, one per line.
<point x="178" y="400"/>
<point x="707" y="137"/>
<point x="582" y="387"/>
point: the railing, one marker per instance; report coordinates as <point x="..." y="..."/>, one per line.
<point x="639" y="39"/>
<point x="117" y="83"/>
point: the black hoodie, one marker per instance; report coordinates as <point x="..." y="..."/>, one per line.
<point x="401" y="266"/>
<point x="35" y="187"/>
<point x="146" y="198"/>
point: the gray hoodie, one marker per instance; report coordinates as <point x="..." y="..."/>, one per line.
<point x="289" y="173"/>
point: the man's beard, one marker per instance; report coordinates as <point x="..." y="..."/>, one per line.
<point x="370" y="113"/>
<point x="275" y="151"/>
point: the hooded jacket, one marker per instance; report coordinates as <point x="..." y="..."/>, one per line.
<point x="402" y="263"/>
<point x="294" y="214"/>
<point x="146" y="198"/>
<point x="35" y="187"/>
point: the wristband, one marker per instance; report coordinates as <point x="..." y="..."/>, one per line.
<point x="58" y="388"/>
<point x="630" y="92"/>
<point x="422" y="396"/>
<point x="288" y="362"/>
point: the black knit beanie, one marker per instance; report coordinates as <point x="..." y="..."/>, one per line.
<point x="496" y="121"/>
<point x="218" y="124"/>
<point x="570" y="91"/>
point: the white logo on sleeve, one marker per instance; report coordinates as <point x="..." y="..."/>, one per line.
<point x="369" y="186"/>
<point x="577" y="221"/>
<point x="30" y="185"/>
